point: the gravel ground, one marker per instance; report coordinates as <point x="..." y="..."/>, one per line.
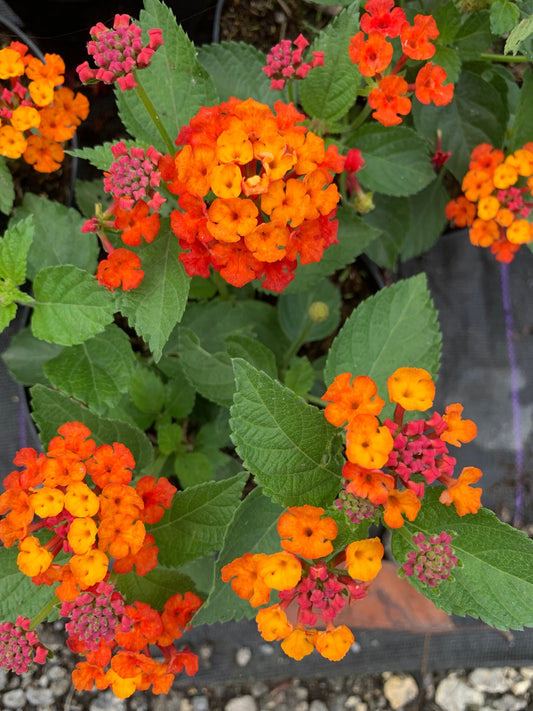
<point x="49" y="688"/>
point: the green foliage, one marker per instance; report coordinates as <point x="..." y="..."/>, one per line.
<point x="354" y="236"/>
<point x="237" y="70"/>
<point x="101" y="156"/>
<point x="70" y="306"/>
<point x="519" y="35"/>
<point x="51" y="409"/>
<point x="175" y="82"/>
<point x="495" y="582"/>
<point x="18" y="594"/>
<point x="157" y="305"/>
<point x="300" y="376"/>
<point x="90" y="193"/>
<point x="195" y="524"/>
<point x="522" y="129"/>
<point x="7" y="188"/>
<point x="328" y="92"/>
<point x="290" y="448"/>
<point x="14" y="248"/>
<point x="58" y="238"/>
<point x="96" y="372"/>
<point x="252" y="530"/>
<point x="294" y="315"/>
<point x="504" y="15"/>
<point x="26" y="356"/>
<point x="154" y="588"/>
<point x="473" y="96"/>
<point x="396" y="160"/>
<point x="396" y="327"/>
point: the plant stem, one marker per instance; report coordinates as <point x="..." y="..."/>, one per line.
<point x="43" y="614"/>
<point x="315" y="400"/>
<point x="503" y="58"/>
<point x="361" y="117"/>
<point x="297" y="343"/>
<point x="221" y="285"/>
<point x="143" y="96"/>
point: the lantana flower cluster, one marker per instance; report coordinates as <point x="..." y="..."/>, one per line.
<point x="256" y="193"/>
<point x="118" y="52"/>
<point x="318" y="589"/>
<point x="37" y="114"/>
<point x="390" y="462"/>
<point x="79" y="497"/>
<point x="498" y="199"/>
<point x="373" y="54"/>
<point x="285" y="63"/>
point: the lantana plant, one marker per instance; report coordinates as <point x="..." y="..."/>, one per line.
<point x="224" y="435"/>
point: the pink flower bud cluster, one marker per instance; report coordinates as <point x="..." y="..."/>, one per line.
<point x="95" y="615"/>
<point x="19" y="647"/>
<point x="418" y="449"/>
<point x="133" y="176"/>
<point x="117" y="52"/>
<point x="433" y="561"/>
<point x="356" y="509"/>
<point x="322" y="594"/>
<point x="284" y="63"/>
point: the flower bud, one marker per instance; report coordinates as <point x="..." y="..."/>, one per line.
<point x="318" y="311"/>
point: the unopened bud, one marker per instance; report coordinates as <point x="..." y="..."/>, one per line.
<point x="318" y="311"/>
<point x="364" y="203"/>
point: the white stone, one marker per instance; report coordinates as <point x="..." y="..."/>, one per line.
<point x="243" y="656"/>
<point x="521" y="687"/>
<point x="200" y="703"/>
<point x="454" y="695"/>
<point x="527" y="672"/>
<point x="508" y="702"/>
<point x="241" y="703"/>
<point x="400" y="690"/>
<point x="318" y="705"/>
<point x="14" y="699"/>
<point x="495" y="681"/>
<point x="107" y="701"/>
<point x="39" y="697"/>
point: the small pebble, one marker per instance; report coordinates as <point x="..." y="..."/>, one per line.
<point x="494" y="681"/>
<point x="241" y="703"/>
<point x="199" y="703"/>
<point x="39" y="697"/>
<point x="400" y="690"/>
<point x="107" y="701"/>
<point x="454" y="695"/>
<point x="243" y="656"/>
<point x="14" y="699"/>
<point x="318" y="705"/>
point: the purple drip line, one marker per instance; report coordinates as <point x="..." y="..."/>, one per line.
<point x="515" y="403"/>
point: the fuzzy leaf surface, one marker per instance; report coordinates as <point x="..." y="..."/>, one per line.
<point x="18" y="595"/>
<point x="175" y="81"/>
<point x="196" y="523"/>
<point x="328" y="92"/>
<point x="14" y="248"/>
<point x="252" y="530"/>
<point x="522" y="129"/>
<point x="394" y="328"/>
<point x="7" y="188"/>
<point x="495" y="583"/>
<point x="154" y="588"/>
<point x="51" y="409"/>
<point x="290" y="448"/>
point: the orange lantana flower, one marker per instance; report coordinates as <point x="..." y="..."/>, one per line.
<point x="363" y="558"/>
<point x="309" y="534"/>
<point x="368" y="443"/>
<point x="457" y="430"/>
<point x="416" y="38"/>
<point x="280" y="571"/>
<point x="334" y="643"/>
<point x="388" y="100"/>
<point x="43" y="154"/>
<point x="411" y="388"/>
<point x="371" y="484"/>
<point x="398" y="503"/>
<point x="299" y="643"/>
<point x="246" y="580"/>
<point x="461" y="211"/>
<point x="121" y="268"/>
<point x="347" y="398"/>
<point x="273" y="624"/>
<point x="465" y="499"/>
<point x="373" y="55"/>
<point x="429" y="85"/>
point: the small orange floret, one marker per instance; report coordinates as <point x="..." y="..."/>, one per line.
<point x="411" y="388"/>
<point x="368" y="443"/>
<point x="247" y="582"/>
<point x="299" y="643"/>
<point x="458" y="430"/>
<point x="461" y="211"/>
<point x="273" y="624"/>
<point x="363" y="559"/>
<point x="346" y="400"/>
<point x="389" y="100"/>
<point x="371" y="484"/>
<point x="416" y="38"/>
<point x="398" y="503"/>
<point x="465" y="499"/>
<point x="156" y="495"/>
<point x="334" y="643"/>
<point x="280" y="571"/>
<point x="372" y="55"/>
<point x="309" y="534"/>
<point x="111" y="464"/>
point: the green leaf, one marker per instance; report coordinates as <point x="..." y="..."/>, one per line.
<point x="518" y="35"/>
<point x="503" y="16"/>
<point x="193" y="468"/>
<point x="396" y="160"/>
<point x="450" y="61"/>
<point x="179" y="394"/>
<point x="101" y="156"/>
<point x="7" y="314"/>
<point x="210" y="373"/>
<point x="196" y="523"/>
<point x="70" y="307"/>
<point x="329" y="92"/>
<point x="51" y="409"/>
<point x="354" y="236"/>
<point x="7" y="188"/>
<point x="90" y="193"/>
<point x="26" y="355"/>
<point x="294" y="316"/>
<point x="522" y="129"/>
<point x="157" y="305"/>
<point x="147" y="390"/>
<point x="495" y="582"/>
<point x="473" y="36"/>
<point x="253" y="530"/>
<point x="392" y="216"/>
<point x="175" y="81"/>
<point x="18" y="594"/>
<point x="300" y="376"/>
<point x="240" y="345"/>
<point x="461" y="133"/>
<point x="58" y="238"/>
<point x="14" y="247"/>
<point x="96" y="372"/>
<point x="396" y="327"/>
<point x="236" y="69"/>
<point x="154" y="588"/>
<point x="290" y="448"/>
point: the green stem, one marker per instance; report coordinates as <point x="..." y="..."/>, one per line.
<point x="43" y="614"/>
<point x="297" y="344"/>
<point x="503" y="58"/>
<point x="315" y="400"/>
<point x="221" y="285"/>
<point x="291" y="92"/>
<point x="143" y="96"/>
<point x="361" y="117"/>
<point x="158" y="465"/>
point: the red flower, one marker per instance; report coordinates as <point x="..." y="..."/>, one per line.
<point x="380" y="18"/>
<point x="136" y="224"/>
<point x="429" y="85"/>
<point x="122" y="267"/>
<point x="388" y="102"/>
<point x="415" y="38"/>
<point x="372" y="55"/>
